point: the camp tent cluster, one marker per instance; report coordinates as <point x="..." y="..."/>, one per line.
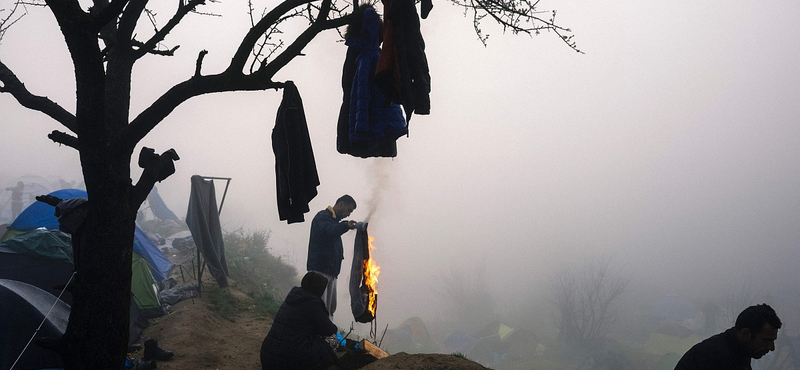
<point x="36" y="264"/>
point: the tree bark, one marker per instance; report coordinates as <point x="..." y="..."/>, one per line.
<point x="97" y="333"/>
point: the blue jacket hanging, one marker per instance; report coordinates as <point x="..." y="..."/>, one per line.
<point x="372" y="119"/>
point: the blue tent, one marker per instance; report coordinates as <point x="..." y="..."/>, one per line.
<point x="159" y="208"/>
<point x="40" y="214"/>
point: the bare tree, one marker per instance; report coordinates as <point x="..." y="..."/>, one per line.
<point x="737" y="301"/>
<point x="105" y="41"/>
<point x="587" y="301"/>
<point x="467" y="294"/>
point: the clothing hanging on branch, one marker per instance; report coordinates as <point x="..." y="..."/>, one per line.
<point x="402" y="72"/>
<point x="296" y="177"/>
<point x="369" y="124"/>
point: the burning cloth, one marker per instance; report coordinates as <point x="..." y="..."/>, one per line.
<point x="363" y="277"/>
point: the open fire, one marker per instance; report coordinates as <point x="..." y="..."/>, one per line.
<point x="371" y="272"/>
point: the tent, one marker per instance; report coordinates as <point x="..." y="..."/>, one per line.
<point x="159" y="208"/>
<point x="41" y="215"/>
<point x="43" y="258"/>
<point x="498" y="342"/>
<point x="39" y="257"/>
<point x="149" y="265"/>
<point x="458" y="342"/>
<point x="24" y="307"/>
<point x="411" y="336"/>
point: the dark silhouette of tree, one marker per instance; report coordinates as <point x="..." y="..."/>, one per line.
<point x="587" y="302"/>
<point x="105" y="41"/>
<point x="467" y="296"/>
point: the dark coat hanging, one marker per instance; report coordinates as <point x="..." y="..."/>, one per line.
<point x="368" y="124"/>
<point x="402" y="71"/>
<point x="295" y="169"/>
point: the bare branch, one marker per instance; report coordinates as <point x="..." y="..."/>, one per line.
<point x="587" y="301"/>
<point x="303" y="39"/>
<point x="11" y="84"/>
<point x="259" y="59"/>
<point x="195" y="86"/>
<point x="164" y="52"/>
<point x="8" y="20"/>
<point x="199" y="63"/>
<point x="159" y="36"/>
<point x="129" y="19"/>
<point x="249" y="41"/>
<point x="64" y="138"/>
<point x="516" y="16"/>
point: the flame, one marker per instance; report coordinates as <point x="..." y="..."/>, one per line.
<point x="371" y="272"/>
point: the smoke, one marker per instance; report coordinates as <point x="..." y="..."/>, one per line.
<point x="381" y="180"/>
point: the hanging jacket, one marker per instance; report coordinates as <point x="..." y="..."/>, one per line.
<point x="295" y="169"/>
<point x="374" y="124"/>
<point x="402" y="72"/>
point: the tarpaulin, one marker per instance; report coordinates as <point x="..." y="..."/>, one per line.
<point x="202" y="217"/>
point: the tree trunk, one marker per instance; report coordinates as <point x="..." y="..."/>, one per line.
<point x="97" y="333"/>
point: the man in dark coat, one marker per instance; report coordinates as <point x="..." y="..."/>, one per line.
<point x="752" y="336"/>
<point x="295" y="340"/>
<point x="325" y="249"/>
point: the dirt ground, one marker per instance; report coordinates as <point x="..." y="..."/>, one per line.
<point x="201" y="339"/>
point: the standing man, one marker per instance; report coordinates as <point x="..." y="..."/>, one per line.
<point x="16" y="199"/>
<point x="325" y="250"/>
<point x="753" y="336"/>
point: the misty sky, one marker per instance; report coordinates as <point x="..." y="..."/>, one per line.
<point x="671" y="145"/>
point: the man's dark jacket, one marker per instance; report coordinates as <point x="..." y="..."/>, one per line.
<point x="403" y="72"/>
<point x="293" y="342"/>
<point x="296" y="177"/>
<point x="325" y="250"/>
<point x="719" y="352"/>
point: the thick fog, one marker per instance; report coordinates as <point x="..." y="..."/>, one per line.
<point x="670" y="148"/>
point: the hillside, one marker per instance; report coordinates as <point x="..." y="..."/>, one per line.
<point x="201" y="339"/>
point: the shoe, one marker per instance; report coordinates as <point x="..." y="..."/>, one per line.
<point x="153" y="352"/>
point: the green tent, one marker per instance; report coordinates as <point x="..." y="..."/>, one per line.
<point x="43" y="258"/>
<point x="143" y="286"/>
